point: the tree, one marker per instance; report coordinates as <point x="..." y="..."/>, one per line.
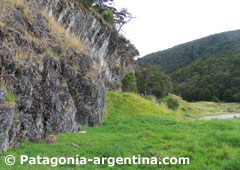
<point x="108" y="16"/>
<point x="150" y="81"/>
<point x="205" y="95"/>
<point x="211" y="63"/>
<point x="96" y="3"/>
<point x="129" y="83"/>
<point x="227" y="96"/>
<point x="122" y="17"/>
<point x="86" y="3"/>
<point x="102" y="3"/>
<point x="236" y="97"/>
<point x="141" y="82"/>
<point x="187" y="95"/>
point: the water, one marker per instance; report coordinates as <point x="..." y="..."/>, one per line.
<point x="222" y="117"/>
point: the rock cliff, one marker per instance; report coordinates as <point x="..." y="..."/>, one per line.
<point x="57" y="59"/>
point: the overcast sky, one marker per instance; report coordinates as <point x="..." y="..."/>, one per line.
<point x="162" y="24"/>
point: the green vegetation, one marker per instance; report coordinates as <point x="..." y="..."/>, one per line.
<point x="108" y="16"/>
<point x="129" y="83"/>
<point x="10" y="97"/>
<point x="205" y="69"/>
<point x="86" y="3"/>
<point x="117" y="67"/>
<point x="75" y="68"/>
<point x="147" y="80"/>
<point x="61" y="92"/>
<point x="9" y="94"/>
<point x="136" y="126"/>
<point x="149" y="97"/>
<point x="236" y="97"/>
<point x="16" y="117"/>
<point x="201" y="109"/>
<point x="64" y="81"/>
<point x="172" y="103"/>
<point x="150" y="81"/>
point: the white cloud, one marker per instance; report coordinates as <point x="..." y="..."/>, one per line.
<point x="161" y="24"/>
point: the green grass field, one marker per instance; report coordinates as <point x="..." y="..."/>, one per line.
<point x="134" y="125"/>
<point x="201" y="109"/>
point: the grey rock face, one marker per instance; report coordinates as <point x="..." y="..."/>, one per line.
<point x="102" y="42"/>
<point x="88" y="91"/>
<point x="2" y="95"/>
<point x="54" y="87"/>
<point x="6" y="119"/>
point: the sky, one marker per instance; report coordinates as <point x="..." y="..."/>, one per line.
<point x="162" y="24"/>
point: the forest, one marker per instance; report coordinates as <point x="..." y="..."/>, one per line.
<point x="147" y="80"/>
<point x="203" y="70"/>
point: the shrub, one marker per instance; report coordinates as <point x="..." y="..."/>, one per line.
<point x="108" y="16"/>
<point x="172" y="103"/>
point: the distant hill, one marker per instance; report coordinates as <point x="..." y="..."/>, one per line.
<point x="204" y="69"/>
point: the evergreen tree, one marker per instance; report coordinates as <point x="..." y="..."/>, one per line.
<point x="129" y="83"/>
<point x="236" y="97"/>
<point x="227" y="96"/>
<point x="205" y="94"/>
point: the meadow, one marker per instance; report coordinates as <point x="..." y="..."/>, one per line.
<point x="137" y="126"/>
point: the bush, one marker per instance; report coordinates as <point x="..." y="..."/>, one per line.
<point x="108" y="16"/>
<point x="172" y="103"/>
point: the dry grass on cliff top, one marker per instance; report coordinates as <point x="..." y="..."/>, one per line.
<point x="58" y="30"/>
<point x="10" y="4"/>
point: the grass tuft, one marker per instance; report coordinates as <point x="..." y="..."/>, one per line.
<point x="59" y="31"/>
<point x="9" y="94"/>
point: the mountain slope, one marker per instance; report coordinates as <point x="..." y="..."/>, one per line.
<point x="170" y="60"/>
<point x="204" y="69"/>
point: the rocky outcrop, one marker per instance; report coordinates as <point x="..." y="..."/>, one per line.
<point x="102" y="42"/>
<point x="48" y="84"/>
